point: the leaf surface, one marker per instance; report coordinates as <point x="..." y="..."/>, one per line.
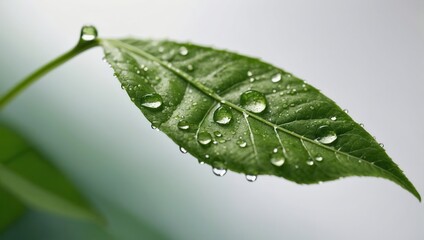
<point x="239" y="113"/>
<point x="26" y="177"/>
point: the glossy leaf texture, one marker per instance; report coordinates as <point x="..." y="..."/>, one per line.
<point x="239" y="113"/>
<point x="27" y="178"/>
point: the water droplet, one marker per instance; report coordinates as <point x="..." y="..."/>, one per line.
<point x="206" y="156"/>
<point x="152" y="100"/>
<point x="241" y="143"/>
<point x="183" y="125"/>
<point x="88" y="33"/>
<point x="361" y="124"/>
<point x="190" y="67"/>
<point x="223" y="115"/>
<point x="310" y="162"/>
<point x="183" y="51"/>
<point x="204" y="138"/>
<point x="319" y="159"/>
<point x="161" y="49"/>
<point x="253" y="101"/>
<point x="219" y="171"/>
<point x="276" y="78"/>
<point x="326" y="135"/>
<point x="217" y="133"/>
<point x="183" y="150"/>
<point x="275" y="150"/>
<point x="251" y="178"/>
<point x="381" y="145"/>
<point x="345" y="110"/>
<point x="249" y="73"/>
<point x="277" y="159"/>
<point x="333" y="118"/>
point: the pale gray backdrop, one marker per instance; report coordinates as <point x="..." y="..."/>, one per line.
<point x="366" y="55"/>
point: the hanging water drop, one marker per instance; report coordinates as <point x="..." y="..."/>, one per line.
<point x="204" y="138"/>
<point x="183" y="150"/>
<point x="326" y="135"/>
<point x="219" y="171"/>
<point x="276" y="78"/>
<point x="223" y="115"/>
<point x="183" y="51"/>
<point x="88" y="33"/>
<point x="183" y="125"/>
<point x="253" y="101"/>
<point x="152" y="100"/>
<point x="251" y="178"/>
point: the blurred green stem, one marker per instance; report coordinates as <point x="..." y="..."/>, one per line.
<point x="81" y="47"/>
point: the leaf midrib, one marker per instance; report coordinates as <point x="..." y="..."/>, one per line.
<point x="209" y="92"/>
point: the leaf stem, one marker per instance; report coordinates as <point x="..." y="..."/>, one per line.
<point x="79" y="48"/>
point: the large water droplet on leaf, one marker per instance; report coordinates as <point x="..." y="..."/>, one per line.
<point x="326" y="135"/>
<point x="223" y="115"/>
<point x="152" y="100"/>
<point x="241" y="143"/>
<point x="183" y="51"/>
<point x="253" y="101"/>
<point x="204" y="138"/>
<point x="277" y="159"/>
<point x="183" y="125"/>
<point x="276" y="78"/>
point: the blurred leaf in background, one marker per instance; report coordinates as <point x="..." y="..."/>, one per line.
<point x="28" y="179"/>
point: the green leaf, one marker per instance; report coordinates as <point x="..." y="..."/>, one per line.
<point x="25" y="174"/>
<point x="10" y="209"/>
<point x="239" y="113"/>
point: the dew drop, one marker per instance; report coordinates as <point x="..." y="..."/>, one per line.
<point x="326" y="135"/>
<point x="319" y="159"/>
<point x="345" y="110"/>
<point x="223" y="115"/>
<point x="204" y="138"/>
<point x="241" y="143"/>
<point x="253" y="101"/>
<point x="217" y="134"/>
<point x="310" y="162"/>
<point x="276" y="78"/>
<point x="333" y="118"/>
<point x="206" y="156"/>
<point x="361" y="124"/>
<point x="190" y="67"/>
<point x="183" y="51"/>
<point x="251" y="178"/>
<point x="219" y="171"/>
<point x="152" y="100"/>
<point x="381" y="145"/>
<point x="249" y="73"/>
<point x="183" y="125"/>
<point x="183" y="150"/>
<point x="88" y="33"/>
<point x="277" y="159"/>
